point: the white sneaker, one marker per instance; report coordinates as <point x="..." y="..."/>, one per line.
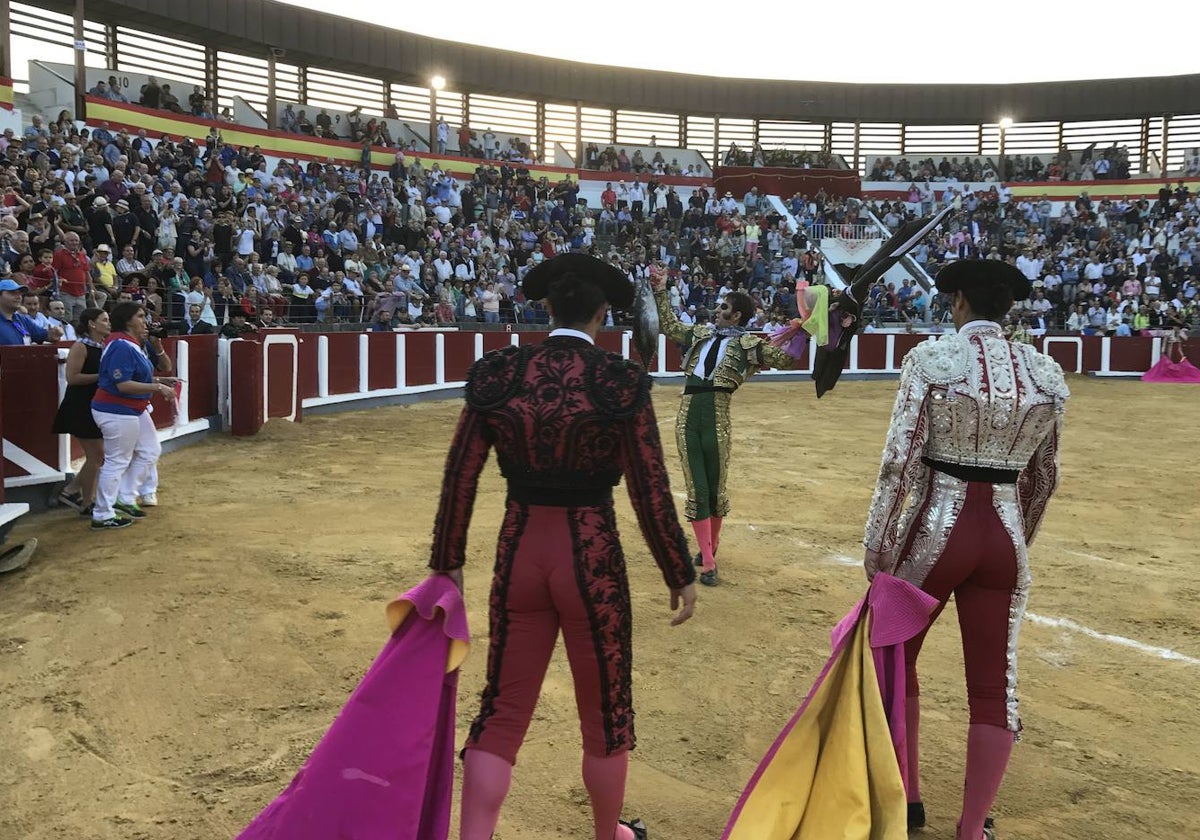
<point x="149" y="500"/>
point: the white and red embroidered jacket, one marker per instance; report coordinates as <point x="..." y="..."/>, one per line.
<point x="977" y="400"/>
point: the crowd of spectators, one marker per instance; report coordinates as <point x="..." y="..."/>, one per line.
<point x="1090" y="164"/>
<point x="213" y="238"/>
<point x="788" y="158"/>
<point x="374" y="131"/>
<point x="1109" y="267"/>
<point x="205" y="233"/>
<point x="154" y="94"/>
<point x="612" y="160"/>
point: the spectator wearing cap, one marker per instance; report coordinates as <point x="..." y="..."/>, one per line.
<point x="99" y="221"/>
<point x="17" y="328"/>
<point x="105" y="279"/>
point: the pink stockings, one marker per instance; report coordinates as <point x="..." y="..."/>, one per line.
<point x="708" y="537"/>
<point x="486" y="779"/>
<point x="604" y="779"/>
<point x="988" y="749"/>
<point x="912" y="714"/>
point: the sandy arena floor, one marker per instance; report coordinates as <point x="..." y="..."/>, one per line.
<point x="166" y="681"/>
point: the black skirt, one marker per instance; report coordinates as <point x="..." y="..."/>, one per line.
<point x="74" y="415"/>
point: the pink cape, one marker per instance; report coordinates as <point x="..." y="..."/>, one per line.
<point x="385" y="768"/>
<point x="1165" y="370"/>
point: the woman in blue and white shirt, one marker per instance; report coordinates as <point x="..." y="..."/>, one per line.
<point x="121" y="408"/>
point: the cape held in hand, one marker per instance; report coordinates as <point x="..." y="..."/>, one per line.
<point x="385" y="768"/>
<point x="845" y="317"/>
<point x="837" y="769"/>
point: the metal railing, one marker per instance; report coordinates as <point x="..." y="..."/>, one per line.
<point x="821" y="230"/>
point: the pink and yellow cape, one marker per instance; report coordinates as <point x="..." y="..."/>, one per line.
<point x="836" y="771"/>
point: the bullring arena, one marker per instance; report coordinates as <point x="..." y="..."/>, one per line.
<point x="166" y="682"/>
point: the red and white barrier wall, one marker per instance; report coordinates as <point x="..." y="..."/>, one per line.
<point x="282" y="373"/>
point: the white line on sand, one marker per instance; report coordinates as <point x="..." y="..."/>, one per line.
<point x="1068" y="624"/>
<point x="1107" y="562"/>
<point x="844" y="560"/>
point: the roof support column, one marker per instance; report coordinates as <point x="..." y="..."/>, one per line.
<point x="540" y="108"/>
<point x="112" y="56"/>
<point x="80" y="68"/>
<point x="1166" y="136"/>
<point x="580" y="158"/>
<point x="272" y="105"/>
<point x="210" y="76"/>
<point x="5" y="39"/>
<point x="1144" y="142"/>
<point x="716" y="156"/>
<point x="857" y="137"/>
<point x="432" y="120"/>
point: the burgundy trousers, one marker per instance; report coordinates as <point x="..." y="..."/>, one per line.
<point x="558" y="569"/>
<point x="979" y="567"/>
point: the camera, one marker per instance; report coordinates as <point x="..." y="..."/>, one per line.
<point x="156" y="330"/>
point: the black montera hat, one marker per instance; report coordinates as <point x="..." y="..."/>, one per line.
<point x="961" y="275"/>
<point x="617" y="289"/>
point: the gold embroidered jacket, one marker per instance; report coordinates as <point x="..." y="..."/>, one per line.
<point x="743" y="357"/>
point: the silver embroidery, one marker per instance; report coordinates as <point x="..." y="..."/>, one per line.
<point x="940" y="506"/>
<point x="977" y="400"/>
<point x="1004" y="500"/>
<point x="1001" y="409"/>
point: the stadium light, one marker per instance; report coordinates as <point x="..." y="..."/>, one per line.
<point x="437" y="82"/>
<point x="1005" y="124"/>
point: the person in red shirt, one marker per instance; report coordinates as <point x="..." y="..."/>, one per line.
<point x="43" y="277"/>
<point x="608" y="198"/>
<point x="74" y="277"/>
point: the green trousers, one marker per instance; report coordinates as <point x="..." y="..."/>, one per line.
<point x="703" y="434"/>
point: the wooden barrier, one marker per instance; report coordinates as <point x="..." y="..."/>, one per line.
<point x="279" y="373"/>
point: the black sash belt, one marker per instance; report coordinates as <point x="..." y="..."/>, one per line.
<point x="705" y="389"/>
<point x="527" y="494"/>
<point x="966" y="472"/>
